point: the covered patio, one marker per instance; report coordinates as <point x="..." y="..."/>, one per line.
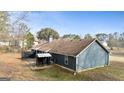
<point x="43" y="59"/>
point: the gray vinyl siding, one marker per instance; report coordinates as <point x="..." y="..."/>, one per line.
<point x="60" y="60"/>
<point x="94" y="56"/>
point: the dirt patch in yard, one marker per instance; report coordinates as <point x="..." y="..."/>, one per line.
<point x="117" y="58"/>
<point x="11" y="66"/>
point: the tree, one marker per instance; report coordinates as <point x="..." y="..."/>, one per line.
<point x="22" y="30"/>
<point x="18" y="17"/>
<point x="18" y="34"/>
<point x="18" y="28"/>
<point x="46" y="33"/>
<point x="121" y="37"/>
<point x="4" y="24"/>
<point x="111" y="41"/>
<point x="114" y="40"/>
<point x="29" y="38"/>
<point x="115" y="34"/>
<point x="72" y="36"/>
<point x="87" y="36"/>
<point x="12" y="27"/>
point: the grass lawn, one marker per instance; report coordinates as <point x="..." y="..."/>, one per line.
<point x="13" y="67"/>
<point x="115" y="71"/>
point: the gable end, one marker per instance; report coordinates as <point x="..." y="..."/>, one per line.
<point x="91" y="44"/>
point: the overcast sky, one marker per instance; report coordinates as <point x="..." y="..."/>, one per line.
<point x="77" y="22"/>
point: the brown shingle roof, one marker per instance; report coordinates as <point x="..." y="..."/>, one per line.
<point x="40" y="44"/>
<point x="66" y="47"/>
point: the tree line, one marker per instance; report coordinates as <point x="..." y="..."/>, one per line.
<point x="113" y="39"/>
<point x="17" y="30"/>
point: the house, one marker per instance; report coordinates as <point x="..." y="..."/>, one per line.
<point x="38" y="43"/>
<point x="4" y="43"/>
<point x="104" y="43"/>
<point x="75" y="55"/>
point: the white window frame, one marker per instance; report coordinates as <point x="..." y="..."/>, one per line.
<point x="66" y="60"/>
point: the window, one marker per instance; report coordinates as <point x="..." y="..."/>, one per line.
<point x="66" y="60"/>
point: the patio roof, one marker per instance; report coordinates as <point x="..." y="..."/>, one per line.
<point x="41" y="55"/>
